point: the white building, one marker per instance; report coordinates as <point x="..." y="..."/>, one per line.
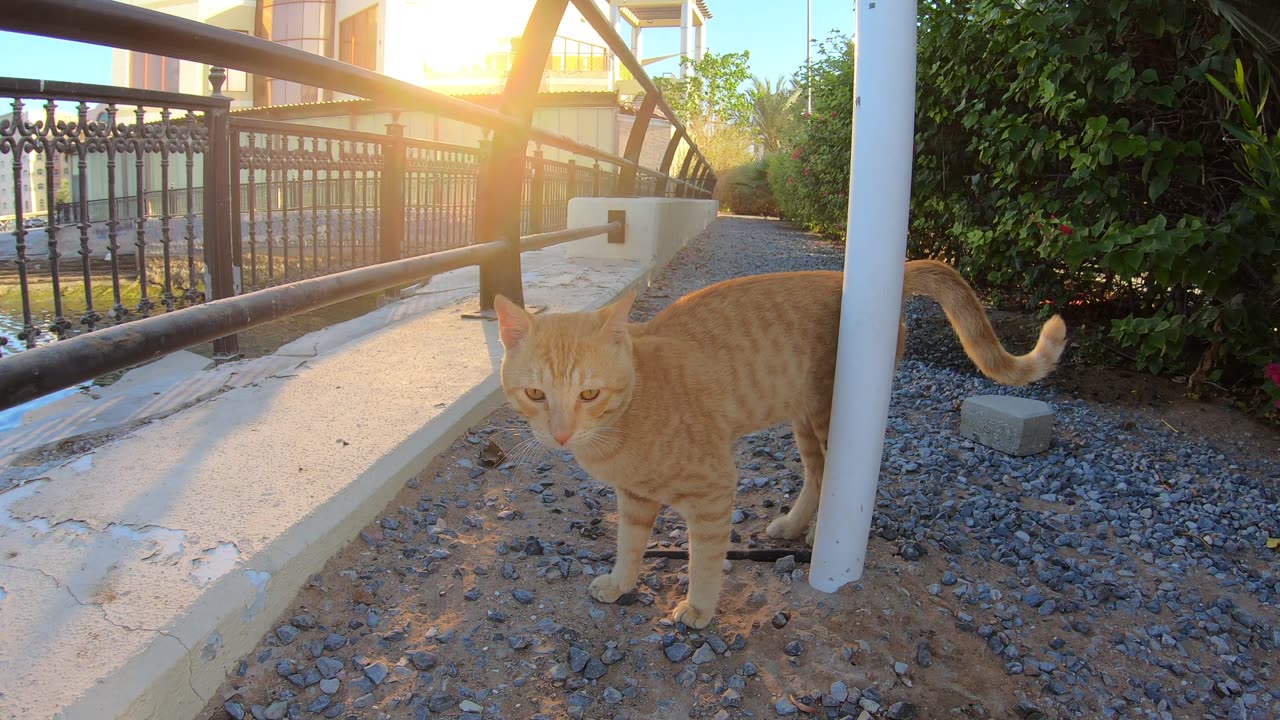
<point x="450" y="47"/>
<point x="37" y="177"/>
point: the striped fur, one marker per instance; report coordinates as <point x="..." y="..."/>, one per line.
<point x="666" y="399"/>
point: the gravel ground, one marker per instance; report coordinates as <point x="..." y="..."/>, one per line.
<point x="1121" y="574"/>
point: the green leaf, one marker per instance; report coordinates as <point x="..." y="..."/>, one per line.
<point x="1158" y="185"/>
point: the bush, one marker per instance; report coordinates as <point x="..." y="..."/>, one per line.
<point x="811" y="179"/>
<point x="1111" y="158"/>
<point x="744" y="190"/>
<point x="1074" y="153"/>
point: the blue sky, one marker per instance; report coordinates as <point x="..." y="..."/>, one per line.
<point x="773" y="30"/>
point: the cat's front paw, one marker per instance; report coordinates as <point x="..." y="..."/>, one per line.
<point x="809" y="536"/>
<point x="606" y="588"/>
<point x="695" y="618"/>
<point x="783" y="528"/>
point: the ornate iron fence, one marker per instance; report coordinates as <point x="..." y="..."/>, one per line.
<point x="79" y="263"/>
<point x="173" y="202"/>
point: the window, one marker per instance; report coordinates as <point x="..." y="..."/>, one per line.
<point x="302" y="24"/>
<point x="153" y="72"/>
<point x="358" y="39"/>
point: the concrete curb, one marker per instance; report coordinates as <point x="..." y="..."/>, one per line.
<point x="173" y="653"/>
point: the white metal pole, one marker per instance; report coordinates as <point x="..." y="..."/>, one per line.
<point x="808" y="56"/>
<point x="615" y="65"/>
<point x="686" y="36"/>
<point x="875" y="259"/>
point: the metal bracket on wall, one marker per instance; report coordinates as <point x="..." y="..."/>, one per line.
<point x="619" y="236"/>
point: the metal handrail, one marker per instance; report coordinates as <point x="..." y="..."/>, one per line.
<point x="497" y="211"/>
<point x="115" y="24"/>
<point x="48" y="368"/>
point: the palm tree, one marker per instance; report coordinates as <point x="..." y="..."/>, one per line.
<point x="772" y="116"/>
<point x="1257" y="22"/>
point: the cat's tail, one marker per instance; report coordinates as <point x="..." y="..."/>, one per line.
<point x="963" y="308"/>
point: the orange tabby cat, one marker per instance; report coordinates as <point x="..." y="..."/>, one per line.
<point x="654" y="408"/>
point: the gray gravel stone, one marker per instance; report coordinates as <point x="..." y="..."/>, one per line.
<point x="423" y="660"/>
<point x="678" y="652"/>
<point x="376" y="672"/>
<point x="703" y="654"/>
<point x="287" y="634"/>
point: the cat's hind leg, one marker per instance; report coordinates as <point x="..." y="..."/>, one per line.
<point x="813" y="453"/>
<point x="635" y="523"/>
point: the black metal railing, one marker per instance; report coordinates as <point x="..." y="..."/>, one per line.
<point x="199" y="206"/>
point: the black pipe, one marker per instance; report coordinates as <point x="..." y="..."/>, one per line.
<point x="48" y="368"/>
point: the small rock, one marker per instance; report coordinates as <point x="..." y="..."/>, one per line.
<point x="704" y="654"/>
<point x="839" y="691"/>
<point x="522" y="596"/>
<point x="329" y="686"/>
<point x="334" y="642"/>
<point x="287" y="634"/>
<point x="423" y="660"/>
<point x="785" y="564"/>
<point x="795" y="648"/>
<point x="594" y="669"/>
<point x="377" y="672"/>
<point x="924" y="658"/>
<point x="320" y="704"/>
<point x="439" y="702"/>
<point x="901" y="711"/>
<point x="470" y="706"/>
<point x="780" y="620"/>
<point x="612" y="696"/>
<point x="363" y="701"/>
<point x="612" y="655"/>
<point x="234" y="709"/>
<point x="276" y="710"/>
<point x="785" y="707"/>
<point x="328" y="667"/>
<point x="1027" y="710"/>
<point x="901" y="668"/>
<point x="731" y="699"/>
<point x="578" y="658"/>
<point x="678" y="652"/>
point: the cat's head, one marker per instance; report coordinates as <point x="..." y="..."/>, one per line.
<point x="571" y="375"/>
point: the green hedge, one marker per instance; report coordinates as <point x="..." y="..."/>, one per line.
<point x="1078" y="155"/>
<point x="745" y="190"/>
<point x="811" y="179"/>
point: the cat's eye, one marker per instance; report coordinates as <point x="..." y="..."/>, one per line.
<point x="535" y="394"/>
<point x="589" y="395"/>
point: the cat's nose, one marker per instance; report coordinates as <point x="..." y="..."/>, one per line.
<point x="562" y="436"/>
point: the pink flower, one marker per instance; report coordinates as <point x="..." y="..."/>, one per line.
<point x="1272" y="373"/>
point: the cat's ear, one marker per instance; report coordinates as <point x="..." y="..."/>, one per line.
<point x="615" y="316"/>
<point x="514" y="322"/>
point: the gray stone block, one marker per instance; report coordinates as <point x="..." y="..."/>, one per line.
<point x="1012" y="425"/>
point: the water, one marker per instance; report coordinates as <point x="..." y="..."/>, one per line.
<point x="10" y="326"/>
